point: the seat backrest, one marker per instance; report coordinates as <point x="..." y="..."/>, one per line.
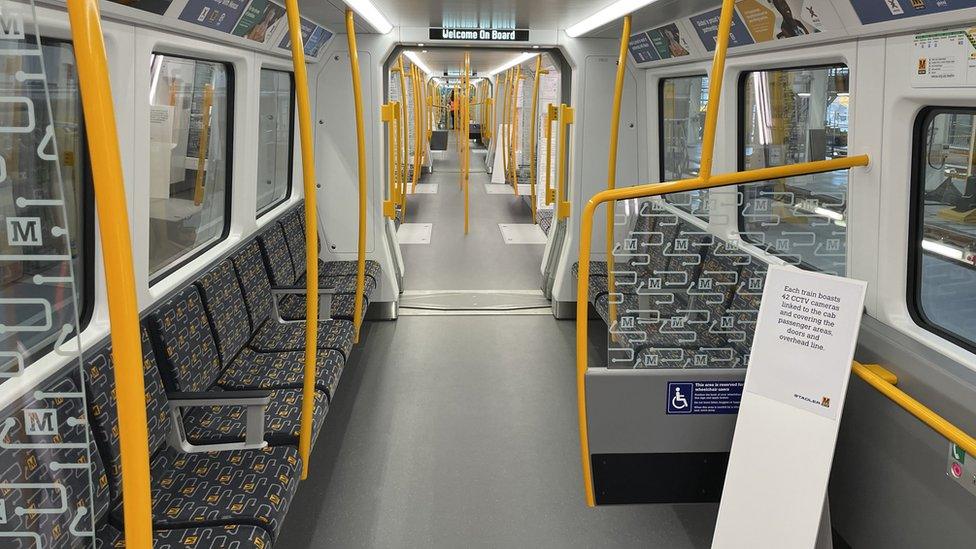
<point x="293" y="225"/>
<point x="103" y="404"/>
<point x="54" y="480"/>
<point x="744" y="307"/>
<point x="186" y="351"/>
<point x="224" y="302"/>
<point x="277" y="259"/>
<point x="255" y="283"/>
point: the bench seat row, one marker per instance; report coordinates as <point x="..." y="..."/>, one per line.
<point x="683" y="298"/>
<point x="223" y="384"/>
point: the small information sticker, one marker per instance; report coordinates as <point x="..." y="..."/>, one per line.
<point x="945" y="58"/>
<point x="961" y="468"/>
<point x="704" y="397"/>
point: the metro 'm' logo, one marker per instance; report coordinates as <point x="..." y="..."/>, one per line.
<point x="11" y="26"/>
<point x="41" y="421"/>
<point x="24" y="231"/>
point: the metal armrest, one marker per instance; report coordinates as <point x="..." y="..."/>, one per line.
<point x="255" y="402"/>
<point x="325" y="301"/>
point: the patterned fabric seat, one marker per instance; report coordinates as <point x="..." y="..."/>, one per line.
<point x="254" y="370"/>
<point x="227" y="309"/>
<point x="544" y="218"/>
<point x="218" y="537"/>
<point x="191" y="363"/>
<point x="293" y="227"/>
<point x="292" y="307"/>
<point x="241" y="487"/>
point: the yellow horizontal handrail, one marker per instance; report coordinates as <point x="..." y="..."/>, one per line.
<point x="884" y="381"/>
<point x="644" y="191"/>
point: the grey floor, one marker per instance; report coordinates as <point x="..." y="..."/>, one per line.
<point x="460" y="431"/>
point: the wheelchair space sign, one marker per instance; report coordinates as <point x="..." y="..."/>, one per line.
<point x="703" y="397"/>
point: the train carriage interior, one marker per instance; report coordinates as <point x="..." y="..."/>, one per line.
<point x="400" y="273"/>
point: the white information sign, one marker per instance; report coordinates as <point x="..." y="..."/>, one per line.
<point x="944" y="58"/>
<point x="786" y="431"/>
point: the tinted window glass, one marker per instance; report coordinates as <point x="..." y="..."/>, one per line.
<point x="788" y="117"/>
<point x="683" y="104"/>
<point x="274" y="139"/>
<point x="189" y="150"/>
<point x="945" y="224"/>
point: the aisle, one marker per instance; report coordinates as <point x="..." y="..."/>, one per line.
<point x="480" y="260"/>
<point x="460" y="431"/>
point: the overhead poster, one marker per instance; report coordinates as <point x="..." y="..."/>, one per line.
<point x="669" y="42"/>
<point x="219" y="15"/>
<point x="158" y="7"/>
<point x="642" y="49"/>
<point x="877" y="11"/>
<point x="260" y="21"/>
<point x="706" y="25"/>
<point x="758" y="21"/>
<point x="313" y="38"/>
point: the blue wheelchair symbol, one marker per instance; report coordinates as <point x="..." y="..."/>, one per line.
<point x="681" y="397"/>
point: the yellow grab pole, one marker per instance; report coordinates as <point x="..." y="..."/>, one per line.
<point x="513" y="127"/>
<point x="123" y="308"/>
<point x="566" y="117"/>
<point x="715" y="88"/>
<point x="552" y="114"/>
<point x="464" y="134"/>
<point x="417" y="129"/>
<point x="389" y="205"/>
<point x="401" y="195"/>
<point x="357" y="94"/>
<point x="505" y="133"/>
<point x="618" y="92"/>
<point x="311" y="232"/>
<point x="404" y="141"/>
<point x="202" y="145"/>
<point x="534" y="145"/>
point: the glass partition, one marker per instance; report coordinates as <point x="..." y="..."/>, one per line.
<point x="275" y="139"/>
<point x="682" y="123"/>
<point x="790" y="116"/>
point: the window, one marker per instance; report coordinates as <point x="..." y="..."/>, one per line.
<point x="189" y="158"/>
<point x="275" y="142"/>
<point x="683" y="103"/>
<point x="790" y="116"/>
<point x="943" y="244"/>
<point x="36" y="268"/>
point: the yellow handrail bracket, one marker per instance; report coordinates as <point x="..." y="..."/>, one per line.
<point x="567" y="116"/>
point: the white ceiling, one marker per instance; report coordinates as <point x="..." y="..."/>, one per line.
<point x="451" y="60"/>
<point x="523" y="14"/>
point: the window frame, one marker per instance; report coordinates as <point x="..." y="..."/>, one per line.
<point x="740" y="163"/>
<point x="916" y="229"/>
<point x="660" y="134"/>
<point x="85" y="306"/>
<point x="291" y="141"/>
<point x="183" y="260"/>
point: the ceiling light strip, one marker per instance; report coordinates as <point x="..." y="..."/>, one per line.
<point x="372" y="15"/>
<point x="522" y="58"/>
<point x="610" y="13"/>
<point x="415" y="59"/>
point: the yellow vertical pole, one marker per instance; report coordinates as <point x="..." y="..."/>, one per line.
<point x="534" y="145"/>
<point x="618" y="92"/>
<point x="401" y="177"/>
<point x="123" y="307"/>
<point x="505" y="134"/>
<point x="464" y="133"/>
<point x="311" y="232"/>
<point x="202" y="144"/>
<point x="552" y="114"/>
<point x="357" y="94"/>
<point x="715" y="88"/>
<point x="404" y="141"/>
<point x="389" y="205"/>
<point x="513" y="127"/>
<point x="417" y="128"/>
<point x="566" y="117"/>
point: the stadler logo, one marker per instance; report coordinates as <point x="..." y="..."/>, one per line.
<point x="824" y="401"/>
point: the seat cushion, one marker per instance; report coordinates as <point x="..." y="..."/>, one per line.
<point x="292" y="307"/>
<point x="278" y="336"/>
<point x="282" y="370"/>
<point x="342" y="284"/>
<point x="243" y="487"/>
<point x="274" y="250"/>
<point x="598" y="268"/>
<point x="207" y="537"/>
<point x="282" y="420"/>
<point x="348" y="268"/>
